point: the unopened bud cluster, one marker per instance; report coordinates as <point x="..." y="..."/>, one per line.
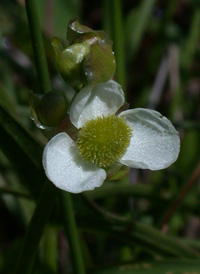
<point x="87" y="59"/>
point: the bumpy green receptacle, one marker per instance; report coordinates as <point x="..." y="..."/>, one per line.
<point x="104" y="140"/>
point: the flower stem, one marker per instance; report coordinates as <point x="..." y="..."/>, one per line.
<point x="191" y="43"/>
<point x="49" y="192"/>
<point x="38" y="47"/>
<point x="35" y="229"/>
<point x="50" y="251"/>
<point x="139" y="233"/>
<point x="13" y="192"/>
<point x="106" y="21"/>
<point x="186" y="188"/>
<point x="72" y="233"/>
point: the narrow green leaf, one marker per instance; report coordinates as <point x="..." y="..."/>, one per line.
<point x="13" y="192"/>
<point x="72" y="233"/>
<point x="22" y="150"/>
<point x="138" y="234"/>
<point x="21" y="136"/>
<point x="49" y="249"/>
<point x="36" y="227"/>
<point x="116" y="21"/>
<point x="6" y="99"/>
<point x="38" y="47"/>
<point x="136" y="24"/>
<point x="191" y="44"/>
<point x="64" y="11"/>
<point x="115" y="189"/>
<point x="156" y="267"/>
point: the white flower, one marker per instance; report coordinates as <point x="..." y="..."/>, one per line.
<point x="151" y="142"/>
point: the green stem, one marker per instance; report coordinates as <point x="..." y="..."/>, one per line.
<point x="49" y="193"/>
<point x="107" y="24"/>
<point x="50" y="250"/>
<point x="38" y="47"/>
<point x="36" y="228"/>
<point x="16" y="193"/>
<point x="191" y="44"/>
<point x="137" y="23"/>
<point x="185" y="190"/>
<point x="118" y="37"/>
<point x="136" y="191"/>
<point x="135" y="233"/>
<point x="72" y="232"/>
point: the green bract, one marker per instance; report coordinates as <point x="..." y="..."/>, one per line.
<point x="88" y="59"/>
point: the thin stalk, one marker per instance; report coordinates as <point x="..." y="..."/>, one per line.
<point x="170" y="10"/>
<point x="72" y="233"/>
<point x="49" y="192"/>
<point x="135" y="233"/>
<point x="136" y="24"/>
<point x="107" y="24"/>
<point x="38" y="47"/>
<point x="185" y="190"/>
<point x="49" y="248"/>
<point x="13" y="192"/>
<point x="136" y="191"/>
<point x="187" y="54"/>
<point x="191" y="44"/>
<point x="35" y="229"/>
<point x="118" y="38"/>
<point x="86" y="253"/>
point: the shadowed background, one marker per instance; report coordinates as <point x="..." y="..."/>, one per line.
<point x="157" y="48"/>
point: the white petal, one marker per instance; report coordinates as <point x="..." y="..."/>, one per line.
<point x="103" y="99"/>
<point x="154" y="143"/>
<point x="66" y="169"/>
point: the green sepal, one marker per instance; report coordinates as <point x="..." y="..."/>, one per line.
<point x="99" y="66"/>
<point x="48" y="110"/>
<point x="124" y="171"/>
<point x="34" y="100"/>
<point x="116" y="172"/>
<point x="77" y="33"/>
<point x="75" y="29"/>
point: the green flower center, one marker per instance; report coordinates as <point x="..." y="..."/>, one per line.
<point x="104" y="140"/>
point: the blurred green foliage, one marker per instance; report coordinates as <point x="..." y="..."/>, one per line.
<point x="121" y="224"/>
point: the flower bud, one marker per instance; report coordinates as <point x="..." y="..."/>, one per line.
<point x="49" y="109"/>
<point x="88" y="59"/>
<point x="69" y="61"/>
